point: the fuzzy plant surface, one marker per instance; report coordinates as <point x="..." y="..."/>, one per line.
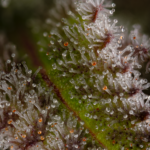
<point x="86" y="92"/>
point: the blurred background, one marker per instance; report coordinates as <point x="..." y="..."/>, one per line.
<point x="16" y="15"/>
<point x="131" y="12"/>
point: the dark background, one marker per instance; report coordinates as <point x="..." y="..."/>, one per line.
<point x="17" y="14"/>
<point x="131" y="12"/>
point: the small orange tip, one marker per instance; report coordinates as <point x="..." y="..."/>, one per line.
<point x="94" y="63"/>
<point x="66" y="44"/>
<point x="9" y="121"/>
<point x="113" y="142"/>
<point x="6" y="129"/>
<point x="24" y="136"/>
<point x="42" y="138"/>
<point x="71" y="131"/>
<point x="14" y="111"/>
<point x="39" y="132"/>
<point x="121" y="37"/>
<point x="47" y="53"/>
<point x="105" y="88"/>
<point x="40" y="120"/>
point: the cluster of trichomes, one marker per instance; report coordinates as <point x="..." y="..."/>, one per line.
<point x="31" y="116"/>
<point x="100" y="60"/>
<point x="97" y="91"/>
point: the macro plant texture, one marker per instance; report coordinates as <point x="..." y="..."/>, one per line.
<point x="86" y="91"/>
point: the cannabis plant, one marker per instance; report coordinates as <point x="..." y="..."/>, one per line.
<point x="86" y="92"/>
